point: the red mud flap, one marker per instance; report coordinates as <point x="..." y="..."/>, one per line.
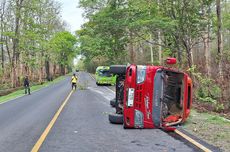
<point x="168" y="128"/>
<point x="173" y="120"/>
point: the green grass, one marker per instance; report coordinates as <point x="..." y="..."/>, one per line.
<point x="206" y="117"/>
<point x="20" y="92"/>
<point x="211" y="128"/>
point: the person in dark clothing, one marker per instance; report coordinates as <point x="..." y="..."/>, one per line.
<point x="27" y="85"/>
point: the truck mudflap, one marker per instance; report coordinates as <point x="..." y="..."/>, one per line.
<point x="169" y="122"/>
<point x="158" y="96"/>
<point x="168" y="128"/>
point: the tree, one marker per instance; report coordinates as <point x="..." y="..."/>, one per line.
<point x="25" y="31"/>
<point x="220" y="40"/>
<point x="64" y="44"/>
<point x="105" y="34"/>
<point x="2" y="13"/>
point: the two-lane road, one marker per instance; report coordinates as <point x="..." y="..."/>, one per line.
<point x="23" y="120"/>
<point x="82" y="125"/>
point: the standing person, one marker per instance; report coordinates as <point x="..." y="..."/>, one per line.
<point x="74" y="81"/>
<point x="27" y="85"/>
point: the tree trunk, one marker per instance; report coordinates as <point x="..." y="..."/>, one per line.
<point x="13" y="75"/>
<point x="159" y="48"/>
<point x="54" y="69"/>
<point x="206" y="41"/>
<point x="8" y="50"/>
<point x="17" y="69"/>
<point x="131" y="48"/>
<point x="188" y="52"/>
<point x="3" y="55"/>
<point x="13" y="65"/>
<point x="2" y="50"/>
<point x="14" y="78"/>
<point x="41" y="72"/>
<point x="132" y="54"/>
<point x="151" y="48"/>
<point x="207" y="55"/>
<point x="1" y="36"/>
<point x="62" y="69"/>
<point x="220" y="40"/>
<point x="159" y="39"/>
<point x="179" y="50"/>
<point x="26" y="70"/>
<point x="47" y="67"/>
<point x="189" y="57"/>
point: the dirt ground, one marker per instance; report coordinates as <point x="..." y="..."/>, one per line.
<point x="207" y="107"/>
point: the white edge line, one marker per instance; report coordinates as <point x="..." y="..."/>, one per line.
<point x="26" y="94"/>
<point x="104" y="86"/>
<point x="91" y="76"/>
<point x="23" y="95"/>
<point x="12" y="99"/>
<point x="110" y="90"/>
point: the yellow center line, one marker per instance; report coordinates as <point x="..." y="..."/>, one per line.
<point x="48" y="128"/>
<point x="193" y="141"/>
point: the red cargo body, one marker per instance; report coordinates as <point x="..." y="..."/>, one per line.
<point x="163" y="98"/>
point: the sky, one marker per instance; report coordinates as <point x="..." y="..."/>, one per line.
<point x="72" y="14"/>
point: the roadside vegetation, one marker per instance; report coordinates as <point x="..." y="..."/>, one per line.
<point x="196" y="32"/>
<point x="212" y="128"/>
<point x="33" y="41"/>
<point x="34" y="87"/>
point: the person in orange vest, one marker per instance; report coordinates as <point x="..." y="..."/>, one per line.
<point x="74" y="81"/>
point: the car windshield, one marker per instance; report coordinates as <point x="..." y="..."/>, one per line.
<point x="104" y="73"/>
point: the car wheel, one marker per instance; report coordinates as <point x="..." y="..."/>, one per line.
<point x="113" y="102"/>
<point x="116" y="118"/>
<point x="118" y="69"/>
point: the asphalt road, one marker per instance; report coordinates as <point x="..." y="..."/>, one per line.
<point x="82" y="126"/>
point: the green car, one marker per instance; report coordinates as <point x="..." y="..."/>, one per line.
<point x="103" y="76"/>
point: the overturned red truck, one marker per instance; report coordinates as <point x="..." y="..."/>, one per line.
<point x="151" y="96"/>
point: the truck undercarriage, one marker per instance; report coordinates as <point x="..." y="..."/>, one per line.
<point x="167" y="102"/>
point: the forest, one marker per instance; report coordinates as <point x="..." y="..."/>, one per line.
<point x="34" y="42"/>
<point x="196" y="32"/>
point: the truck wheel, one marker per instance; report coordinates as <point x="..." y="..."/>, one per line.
<point x="116" y="118"/>
<point x="113" y="102"/>
<point x="124" y="126"/>
<point x="118" y="69"/>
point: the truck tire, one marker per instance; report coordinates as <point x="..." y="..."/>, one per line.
<point x="118" y="69"/>
<point x="124" y="126"/>
<point x="113" y="102"/>
<point x="116" y="118"/>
